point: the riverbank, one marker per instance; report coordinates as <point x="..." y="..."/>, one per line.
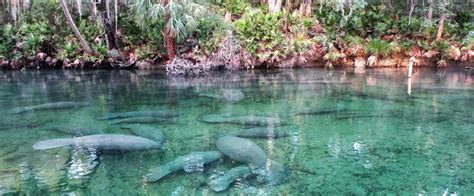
<point x="50" y="63"/>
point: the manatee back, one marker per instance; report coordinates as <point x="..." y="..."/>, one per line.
<point x="116" y="142"/>
<point x="242" y="150"/>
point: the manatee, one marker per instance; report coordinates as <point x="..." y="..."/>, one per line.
<point x="190" y="163"/>
<point x="246" y="151"/>
<point x="251" y="120"/>
<point x="260" y="132"/>
<point x="319" y="111"/>
<point x="242" y="150"/>
<point x="222" y="182"/>
<point x="146" y="131"/>
<point x="139" y="120"/>
<point x="227" y="95"/>
<point x="48" y="106"/>
<point x="145" y="113"/>
<point x="101" y="142"/>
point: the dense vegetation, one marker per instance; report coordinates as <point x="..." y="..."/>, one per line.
<point x="269" y="33"/>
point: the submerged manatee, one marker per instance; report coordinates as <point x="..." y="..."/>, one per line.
<point x="251" y="120"/>
<point x="323" y="111"/>
<point x="190" y="163"/>
<point x="222" y="182"/>
<point x="48" y="106"/>
<point x="139" y="120"/>
<point x="101" y="142"/>
<point x="227" y="95"/>
<point x="242" y="150"/>
<point x="259" y="132"/>
<point x="145" y="113"/>
<point x="246" y="151"/>
<point x="146" y="131"/>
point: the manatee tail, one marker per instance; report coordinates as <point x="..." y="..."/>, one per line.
<point x="156" y="174"/>
<point x="52" y="143"/>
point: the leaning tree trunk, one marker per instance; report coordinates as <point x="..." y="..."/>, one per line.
<point x="439" y="35"/>
<point x="73" y="26"/>
<point x="412" y="8"/>
<point x="110" y="37"/>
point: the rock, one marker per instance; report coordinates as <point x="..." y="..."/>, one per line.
<point x="66" y="63"/>
<point x="387" y="62"/>
<point x="41" y="56"/>
<point x="372" y="61"/>
<point x="143" y="65"/>
<point x="4" y="64"/>
<point x="49" y="61"/>
<point x="454" y="53"/>
<point x="76" y="63"/>
<point x="360" y="62"/>
<point x="181" y="66"/>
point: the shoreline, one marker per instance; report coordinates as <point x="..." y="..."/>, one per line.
<point x="358" y="62"/>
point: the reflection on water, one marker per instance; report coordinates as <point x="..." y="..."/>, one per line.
<point x="349" y="132"/>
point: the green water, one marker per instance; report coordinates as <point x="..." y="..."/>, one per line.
<point x="370" y="136"/>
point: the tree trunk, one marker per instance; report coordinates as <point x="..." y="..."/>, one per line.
<point x="167" y="34"/>
<point x="170" y="46"/>
<point x="442" y="9"/>
<point x="309" y="8"/>
<point x="278" y="5"/>
<point x="439" y="35"/>
<point x="271" y="5"/>
<point x="274" y="5"/>
<point x="73" y="26"/>
<point x="110" y="37"/>
<point x="394" y="13"/>
<point x="429" y="16"/>
<point x="412" y="8"/>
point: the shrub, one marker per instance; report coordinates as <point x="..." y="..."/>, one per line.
<point x="7" y="41"/>
<point x="36" y="37"/>
<point x="378" y="47"/>
<point x="210" y="31"/>
<point x="257" y="27"/>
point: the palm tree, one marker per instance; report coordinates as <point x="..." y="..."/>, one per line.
<point x="180" y="17"/>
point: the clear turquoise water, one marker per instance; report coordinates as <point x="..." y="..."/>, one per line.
<point x="374" y="137"/>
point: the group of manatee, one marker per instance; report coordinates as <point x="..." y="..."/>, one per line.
<point x="232" y="144"/>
